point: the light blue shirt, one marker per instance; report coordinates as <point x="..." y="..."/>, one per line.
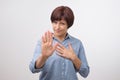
<point x="59" y="68"/>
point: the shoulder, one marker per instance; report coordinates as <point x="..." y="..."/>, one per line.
<point x="76" y="40"/>
<point x="76" y="43"/>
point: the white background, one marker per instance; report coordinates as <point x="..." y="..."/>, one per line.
<point x="97" y="24"/>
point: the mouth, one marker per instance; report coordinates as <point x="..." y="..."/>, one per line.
<point x="57" y="31"/>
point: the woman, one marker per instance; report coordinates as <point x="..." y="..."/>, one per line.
<point x="58" y="55"/>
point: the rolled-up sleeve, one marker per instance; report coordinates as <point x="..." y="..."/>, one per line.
<point x="84" y="68"/>
<point x="35" y="56"/>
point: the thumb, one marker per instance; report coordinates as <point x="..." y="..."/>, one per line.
<point x="70" y="47"/>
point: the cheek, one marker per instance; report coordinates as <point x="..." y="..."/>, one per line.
<point x="64" y="28"/>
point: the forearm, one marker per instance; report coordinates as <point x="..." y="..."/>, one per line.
<point x="76" y="61"/>
<point x="40" y="62"/>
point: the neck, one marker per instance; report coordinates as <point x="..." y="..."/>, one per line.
<point x="61" y="38"/>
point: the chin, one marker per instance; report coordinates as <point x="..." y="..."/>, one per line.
<point x="58" y="34"/>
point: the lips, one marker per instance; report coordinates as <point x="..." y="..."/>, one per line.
<point x="58" y="31"/>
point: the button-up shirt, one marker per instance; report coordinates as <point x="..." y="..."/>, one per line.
<point x="57" y="67"/>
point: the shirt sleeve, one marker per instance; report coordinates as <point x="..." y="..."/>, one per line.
<point x="35" y="56"/>
<point x="84" y="68"/>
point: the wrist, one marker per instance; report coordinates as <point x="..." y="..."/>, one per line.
<point x="76" y="61"/>
<point x="40" y="61"/>
<point x="73" y="57"/>
<point x="43" y="57"/>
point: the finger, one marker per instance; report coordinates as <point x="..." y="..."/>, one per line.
<point x="60" y="54"/>
<point x="59" y="50"/>
<point x="43" y="39"/>
<point x="61" y="46"/>
<point x="55" y="46"/>
<point x="45" y="36"/>
<point x="70" y="46"/>
<point x="51" y="39"/>
<point x="49" y="36"/>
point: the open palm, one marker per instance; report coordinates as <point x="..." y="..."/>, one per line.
<point x="47" y="47"/>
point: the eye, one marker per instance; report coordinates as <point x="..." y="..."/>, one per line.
<point x="62" y="23"/>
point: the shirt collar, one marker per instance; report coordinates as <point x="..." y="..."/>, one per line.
<point x="67" y="36"/>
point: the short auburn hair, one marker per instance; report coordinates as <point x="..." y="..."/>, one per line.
<point x="63" y="12"/>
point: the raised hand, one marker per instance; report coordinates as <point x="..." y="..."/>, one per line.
<point x="47" y="47"/>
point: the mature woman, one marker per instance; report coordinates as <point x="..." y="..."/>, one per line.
<point x="58" y="55"/>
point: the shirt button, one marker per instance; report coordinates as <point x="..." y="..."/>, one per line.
<point x="62" y="73"/>
<point x="63" y="63"/>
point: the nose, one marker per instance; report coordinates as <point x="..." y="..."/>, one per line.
<point x="57" y="26"/>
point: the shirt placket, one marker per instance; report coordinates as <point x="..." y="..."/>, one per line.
<point x="63" y="63"/>
<point x="63" y="69"/>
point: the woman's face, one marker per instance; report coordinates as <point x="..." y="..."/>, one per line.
<point x="60" y="28"/>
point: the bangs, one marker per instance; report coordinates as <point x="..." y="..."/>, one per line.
<point x="57" y="17"/>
